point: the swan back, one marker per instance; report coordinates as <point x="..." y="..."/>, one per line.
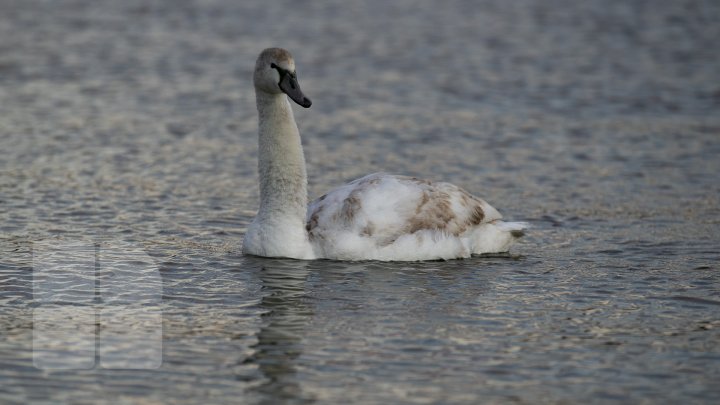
<point x="389" y="217"/>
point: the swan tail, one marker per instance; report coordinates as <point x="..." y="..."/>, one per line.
<point x="497" y="236"/>
<point x="516" y="229"/>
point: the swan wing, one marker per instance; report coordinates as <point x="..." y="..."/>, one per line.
<point x="380" y="208"/>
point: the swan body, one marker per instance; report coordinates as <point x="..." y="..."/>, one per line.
<point x="377" y="217"/>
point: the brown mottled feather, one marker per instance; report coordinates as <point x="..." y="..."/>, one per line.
<point x="434" y="210"/>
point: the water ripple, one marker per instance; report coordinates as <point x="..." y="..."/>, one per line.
<point x="129" y="178"/>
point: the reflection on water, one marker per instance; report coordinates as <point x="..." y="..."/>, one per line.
<point x="285" y="320"/>
<point x="128" y="132"/>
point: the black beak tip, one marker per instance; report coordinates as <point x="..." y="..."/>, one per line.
<point x="306" y="102"/>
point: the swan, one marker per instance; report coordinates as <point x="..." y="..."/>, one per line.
<point x="377" y="217"/>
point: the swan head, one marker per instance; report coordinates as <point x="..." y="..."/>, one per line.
<point x="275" y="74"/>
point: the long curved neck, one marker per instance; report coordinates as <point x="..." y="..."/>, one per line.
<point x="281" y="163"/>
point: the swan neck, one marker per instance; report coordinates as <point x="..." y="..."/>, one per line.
<point x="281" y="163"/>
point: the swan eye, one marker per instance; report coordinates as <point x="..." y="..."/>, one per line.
<point x="283" y="71"/>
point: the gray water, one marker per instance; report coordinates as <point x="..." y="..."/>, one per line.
<point x="128" y="167"/>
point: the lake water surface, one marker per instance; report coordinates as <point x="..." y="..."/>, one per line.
<point x="128" y="176"/>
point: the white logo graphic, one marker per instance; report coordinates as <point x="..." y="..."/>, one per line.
<point x="96" y="305"/>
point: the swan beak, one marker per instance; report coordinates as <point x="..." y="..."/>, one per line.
<point x="289" y="85"/>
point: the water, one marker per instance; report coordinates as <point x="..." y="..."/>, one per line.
<point x="128" y="138"/>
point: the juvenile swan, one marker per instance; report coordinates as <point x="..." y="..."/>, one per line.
<point x="377" y="217"/>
